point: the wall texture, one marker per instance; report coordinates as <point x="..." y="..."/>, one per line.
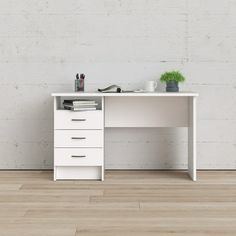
<point x="44" y="43"/>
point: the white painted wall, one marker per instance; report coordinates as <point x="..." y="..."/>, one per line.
<point x="44" y="43"/>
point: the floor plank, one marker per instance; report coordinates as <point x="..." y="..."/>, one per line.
<point x="126" y="203"/>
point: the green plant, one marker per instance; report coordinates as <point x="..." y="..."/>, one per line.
<point x="172" y="76"/>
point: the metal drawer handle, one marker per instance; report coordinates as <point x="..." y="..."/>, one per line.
<point x="78" y="156"/>
<point x="80" y="138"/>
<point x="78" y="119"/>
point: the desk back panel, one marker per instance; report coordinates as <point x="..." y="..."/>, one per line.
<point x="146" y="111"/>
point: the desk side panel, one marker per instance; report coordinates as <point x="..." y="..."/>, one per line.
<point x="192" y="153"/>
<point x="146" y="112"/>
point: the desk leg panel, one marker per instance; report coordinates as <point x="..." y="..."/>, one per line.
<point x="192" y="155"/>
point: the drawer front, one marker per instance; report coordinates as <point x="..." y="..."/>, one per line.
<point x="64" y="119"/>
<point x="78" y="156"/>
<point x="78" y="138"/>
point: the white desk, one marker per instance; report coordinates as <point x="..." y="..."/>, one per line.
<point x="79" y="136"/>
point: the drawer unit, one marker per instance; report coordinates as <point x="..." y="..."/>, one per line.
<point x="64" y="119"/>
<point x="78" y="138"/>
<point x="78" y="141"/>
<point x="78" y="156"/>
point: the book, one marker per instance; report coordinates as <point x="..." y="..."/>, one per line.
<point x="79" y="101"/>
<point x="80" y="109"/>
<point x="80" y="105"/>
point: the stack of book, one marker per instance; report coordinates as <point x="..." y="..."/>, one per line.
<point x="80" y="105"/>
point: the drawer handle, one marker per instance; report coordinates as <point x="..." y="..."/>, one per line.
<point x="80" y="138"/>
<point x="78" y="119"/>
<point x="82" y="156"/>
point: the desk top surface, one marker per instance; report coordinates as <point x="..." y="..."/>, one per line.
<point x="128" y="94"/>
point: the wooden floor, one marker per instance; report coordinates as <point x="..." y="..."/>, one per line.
<point x="127" y="203"/>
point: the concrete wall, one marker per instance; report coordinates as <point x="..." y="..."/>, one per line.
<point x="44" y="43"/>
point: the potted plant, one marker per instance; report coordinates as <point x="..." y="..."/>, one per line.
<point x="172" y="79"/>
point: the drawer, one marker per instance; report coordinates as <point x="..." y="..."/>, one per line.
<point x="64" y="119"/>
<point x="78" y="156"/>
<point x="78" y="172"/>
<point x="78" y="138"/>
